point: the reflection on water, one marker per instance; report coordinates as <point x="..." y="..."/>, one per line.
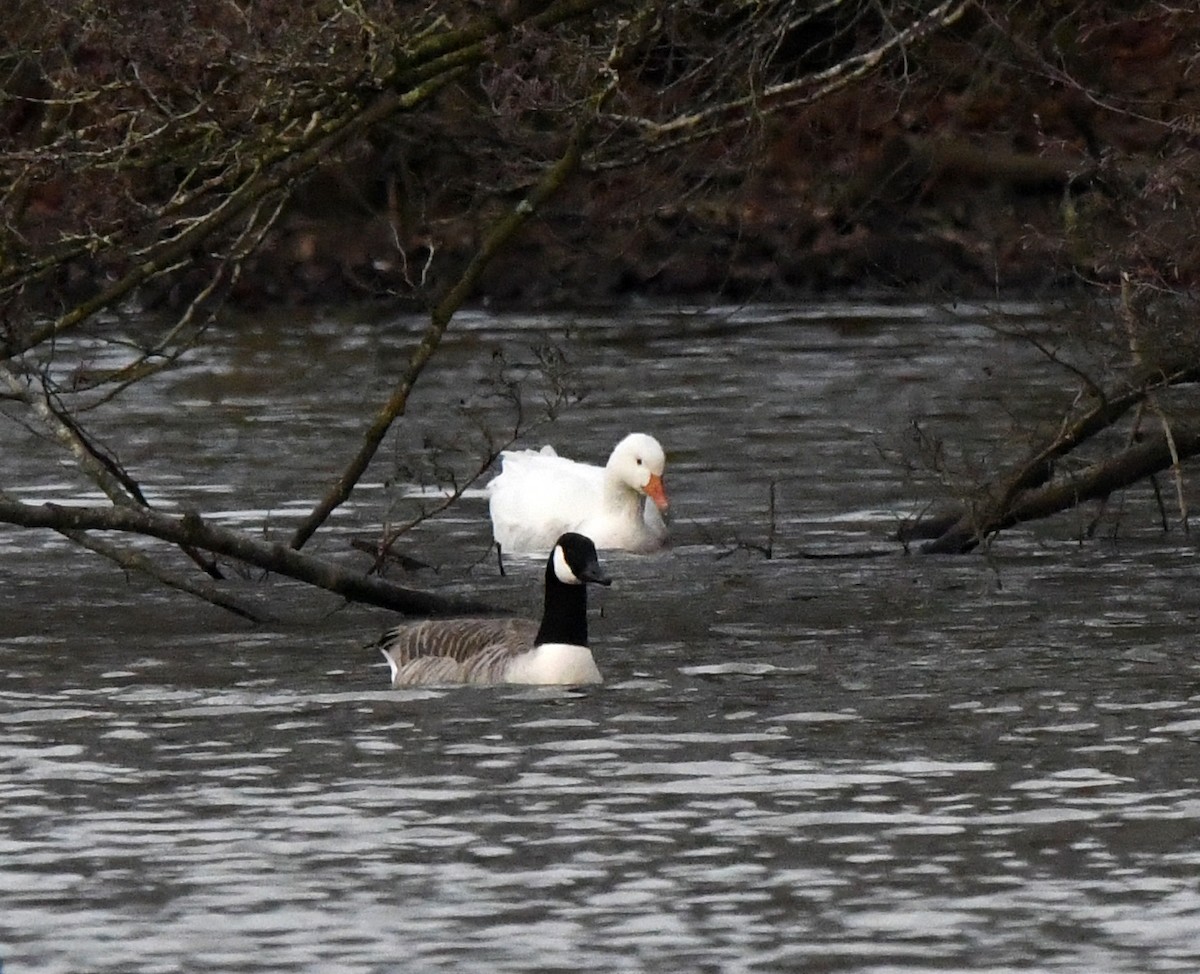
<point x="836" y="764"/>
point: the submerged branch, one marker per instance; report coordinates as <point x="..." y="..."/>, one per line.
<point x="193" y="531"/>
<point x="137" y="562"/>
<point x="1012" y="493"/>
<point x="101" y="467"/>
<point x="1097" y="481"/>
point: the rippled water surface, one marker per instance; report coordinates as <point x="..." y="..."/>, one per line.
<point x="841" y="758"/>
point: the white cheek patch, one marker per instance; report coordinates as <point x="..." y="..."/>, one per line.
<point x="562" y="569"/>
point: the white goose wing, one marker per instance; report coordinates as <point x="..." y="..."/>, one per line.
<point x="539" y="495"/>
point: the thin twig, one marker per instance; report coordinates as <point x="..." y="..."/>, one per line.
<point x="138" y="562"/>
<point x="503" y="230"/>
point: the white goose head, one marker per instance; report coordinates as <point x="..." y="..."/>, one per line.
<point x="638" y="462"/>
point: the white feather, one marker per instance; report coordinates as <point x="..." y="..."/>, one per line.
<point x="554" y="663"/>
<point x="562" y="569"/>
<point x="539" y="495"/>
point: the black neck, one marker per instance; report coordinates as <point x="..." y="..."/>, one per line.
<point x="564" y="618"/>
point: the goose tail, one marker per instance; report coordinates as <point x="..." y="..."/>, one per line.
<point x="391" y="661"/>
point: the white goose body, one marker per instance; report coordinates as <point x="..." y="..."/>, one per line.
<point x="539" y="495"/>
<point x="487" y="651"/>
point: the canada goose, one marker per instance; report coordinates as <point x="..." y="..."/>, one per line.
<point x="538" y="495"/>
<point x="509" y="650"/>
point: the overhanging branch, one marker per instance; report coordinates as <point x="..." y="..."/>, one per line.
<point x="192" y="530"/>
<point x="500" y="233"/>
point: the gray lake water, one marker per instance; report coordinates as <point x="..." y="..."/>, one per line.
<point x="839" y="759"/>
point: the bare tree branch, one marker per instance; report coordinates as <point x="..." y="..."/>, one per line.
<point x="1096" y="481"/>
<point x="1025" y="486"/>
<point x="191" y="530"/>
<point x="497" y="237"/>
<point x="137" y="562"/>
<point x="667" y="136"/>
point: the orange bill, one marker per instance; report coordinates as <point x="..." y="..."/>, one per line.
<point x="656" y="490"/>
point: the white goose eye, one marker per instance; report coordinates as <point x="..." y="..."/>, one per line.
<point x="561" y="569"/>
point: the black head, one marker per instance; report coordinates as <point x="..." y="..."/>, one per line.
<point x="571" y="564"/>
<point x="574" y="561"/>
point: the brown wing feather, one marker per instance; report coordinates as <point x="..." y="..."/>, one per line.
<point x="456" y="650"/>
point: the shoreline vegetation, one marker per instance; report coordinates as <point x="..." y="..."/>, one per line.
<point x="1017" y="151"/>
<point x="967" y="182"/>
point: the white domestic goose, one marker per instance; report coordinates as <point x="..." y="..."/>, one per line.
<point x="509" y="650"/>
<point x="538" y="495"/>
